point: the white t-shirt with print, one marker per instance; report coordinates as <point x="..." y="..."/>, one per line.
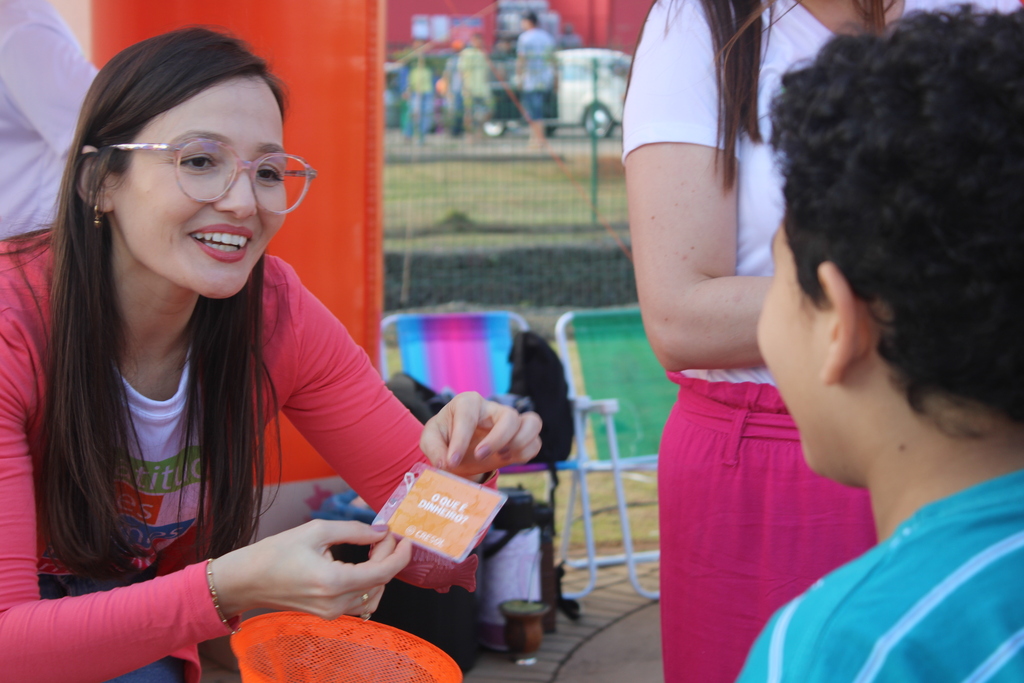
<point x="159" y="498"/>
<point x="165" y="469"/>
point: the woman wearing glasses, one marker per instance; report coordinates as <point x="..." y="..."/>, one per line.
<point x="146" y="345"/>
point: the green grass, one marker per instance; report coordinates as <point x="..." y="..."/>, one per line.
<point x="641" y="494"/>
<point x="507" y="193"/>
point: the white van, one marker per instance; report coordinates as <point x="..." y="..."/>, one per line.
<point x="580" y="102"/>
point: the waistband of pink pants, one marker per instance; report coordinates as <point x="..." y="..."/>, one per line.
<point x="742" y="409"/>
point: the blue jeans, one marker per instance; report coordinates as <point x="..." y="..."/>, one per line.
<point x="166" y="670"/>
<point x="533" y="103"/>
<point x="421" y="113"/>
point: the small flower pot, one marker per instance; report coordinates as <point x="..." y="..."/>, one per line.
<point x="524" y="627"/>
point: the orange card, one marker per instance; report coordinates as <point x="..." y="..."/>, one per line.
<point x="445" y="513"/>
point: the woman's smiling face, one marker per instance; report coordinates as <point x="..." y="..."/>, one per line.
<point x="167" y="245"/>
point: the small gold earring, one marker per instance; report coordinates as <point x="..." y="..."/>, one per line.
<point x="97" y="218"/>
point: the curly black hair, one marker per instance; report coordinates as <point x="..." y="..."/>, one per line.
<point x="903" y="158"/>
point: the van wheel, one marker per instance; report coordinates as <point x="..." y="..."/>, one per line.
<point x="598" y="120"/>
<point x="494" y="129"/>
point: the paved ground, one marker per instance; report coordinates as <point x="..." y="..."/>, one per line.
<point x="616" y="639"/>
<point x="628" y="650"/>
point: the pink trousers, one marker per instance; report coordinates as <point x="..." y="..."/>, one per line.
<point x="745" y="525"/>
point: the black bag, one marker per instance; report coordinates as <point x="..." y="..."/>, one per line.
<point x="422" y="401"/>
<point x="537" y="372"/>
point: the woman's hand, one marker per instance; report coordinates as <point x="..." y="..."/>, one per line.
<point x="294" y="570"/>
<point x="471" y="436"/>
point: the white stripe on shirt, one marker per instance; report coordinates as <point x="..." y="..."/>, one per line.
<point x="778" y="643"/>
<point x="934" y="597"/>
<point x="998" y="659"/>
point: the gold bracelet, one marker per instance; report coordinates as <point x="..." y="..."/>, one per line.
<point x="213" y="594"/>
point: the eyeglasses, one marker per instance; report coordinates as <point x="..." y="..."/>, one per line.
<point x="207" y="169"/>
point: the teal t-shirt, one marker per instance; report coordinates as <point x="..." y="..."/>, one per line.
<point x="942" y="599"/>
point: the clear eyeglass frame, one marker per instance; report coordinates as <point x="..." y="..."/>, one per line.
<point x="249" y="167"/>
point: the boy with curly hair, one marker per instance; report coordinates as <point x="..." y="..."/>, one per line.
<point x="894" y="328"/>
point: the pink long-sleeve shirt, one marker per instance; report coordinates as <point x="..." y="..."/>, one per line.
<point x="327" y="388"/>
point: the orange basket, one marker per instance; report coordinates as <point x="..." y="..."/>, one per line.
<point x="292" y="647"/>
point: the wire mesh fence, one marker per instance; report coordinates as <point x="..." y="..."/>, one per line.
<point x="483" y="209"/>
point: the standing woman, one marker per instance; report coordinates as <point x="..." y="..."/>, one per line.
<point x="745" y="525"/>
<point x="146" y="345"/>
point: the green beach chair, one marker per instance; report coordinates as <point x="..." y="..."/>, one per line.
<point x="617" y="385"/>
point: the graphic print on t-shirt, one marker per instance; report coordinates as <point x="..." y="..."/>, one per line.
<point x="160" y="511"/>
<point x="164" y="506"/>
<point x="158" y="484"/>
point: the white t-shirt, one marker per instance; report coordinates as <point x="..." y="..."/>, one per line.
<point x="536" y="46"/>
<point x="43" y="79"/>
<point x="673" y="97"/>
<point x="166" y="470"/>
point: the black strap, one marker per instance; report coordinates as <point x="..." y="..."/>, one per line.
<point x="519" y="366"/>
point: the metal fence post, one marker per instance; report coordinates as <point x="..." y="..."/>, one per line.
<point x="593" y="149"/>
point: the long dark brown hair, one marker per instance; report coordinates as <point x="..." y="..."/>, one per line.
<point x="87" y="428"/>
<point x="737" y="33"/>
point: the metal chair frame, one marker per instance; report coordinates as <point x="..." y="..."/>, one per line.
<point x="583" y="464"/>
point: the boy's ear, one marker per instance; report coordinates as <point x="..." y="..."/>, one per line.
<point x="82" y="186"/>
<point x="851" y="328"/>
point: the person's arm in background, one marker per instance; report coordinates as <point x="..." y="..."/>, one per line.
<point x="47" y="76"/>
<point x="683" y="222"/>
<point x="697" y="312"/>
<point x="520" y="62"/>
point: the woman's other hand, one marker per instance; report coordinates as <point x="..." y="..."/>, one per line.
<point x="471" y="436"/>
<point x="294" y="570"/>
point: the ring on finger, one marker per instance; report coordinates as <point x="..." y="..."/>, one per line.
<point x="366" y="607"/>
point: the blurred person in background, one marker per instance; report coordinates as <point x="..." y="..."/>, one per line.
<point x="421" y="99"/>
<point x="535" y="71"/>
<point x="476" y="85"/>
<point x="502" y="54"/>
<point x="43" y="79"/>
<point x="450" y="86"/>
<point x="569" y="39"/>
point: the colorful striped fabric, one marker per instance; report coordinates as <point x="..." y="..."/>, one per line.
<point x="458" y="351"/>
